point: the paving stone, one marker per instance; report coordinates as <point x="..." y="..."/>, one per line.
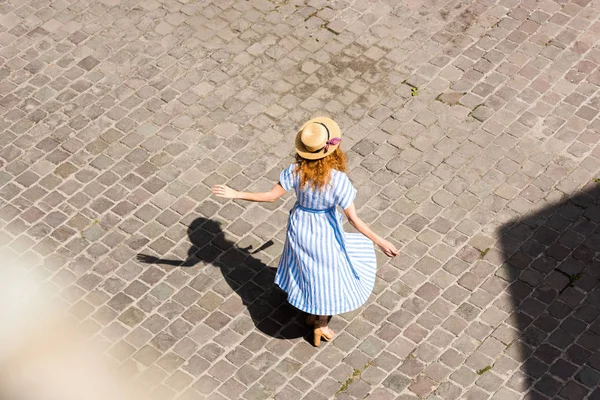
<point x="411" y="367"/>
<point x="132" y="316"/>
<point x="380" y="394"/>
<point x="448" y="390"/>
<point x="396" y="382"/>
<point x="422" y="386"/>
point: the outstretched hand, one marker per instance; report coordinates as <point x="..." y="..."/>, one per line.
<point x="388" y="248"/>
<point x="224" y="191"/>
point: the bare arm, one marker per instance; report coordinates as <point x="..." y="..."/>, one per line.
<point x="385" y="246"/>
<point x="228" y="193"/>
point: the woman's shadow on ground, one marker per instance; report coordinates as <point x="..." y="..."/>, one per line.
<point x="250" y="278"/>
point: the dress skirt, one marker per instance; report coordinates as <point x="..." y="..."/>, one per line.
<point x="324" y="270"/>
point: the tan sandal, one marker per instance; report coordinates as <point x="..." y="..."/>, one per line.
<point x="319" y="334"/>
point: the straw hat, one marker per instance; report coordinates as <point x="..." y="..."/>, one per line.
<point x="318" y="138"/>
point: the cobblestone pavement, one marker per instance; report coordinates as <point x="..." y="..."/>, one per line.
<point x="472" y="133"/>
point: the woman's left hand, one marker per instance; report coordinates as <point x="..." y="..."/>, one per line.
<point x="388" y="248"/>
<point x="224" y="191"/>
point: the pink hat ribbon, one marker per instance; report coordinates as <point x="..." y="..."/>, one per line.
<point x="333" y="142"/>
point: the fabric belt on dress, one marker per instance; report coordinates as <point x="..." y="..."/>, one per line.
<point x="314" y="210"/>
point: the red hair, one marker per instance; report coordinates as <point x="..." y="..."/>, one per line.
<point x="317" y="173"/>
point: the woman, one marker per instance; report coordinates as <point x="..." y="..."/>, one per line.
<point x="323" y="270"/>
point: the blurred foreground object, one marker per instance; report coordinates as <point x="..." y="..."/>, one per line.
<point x="42" y="354"/>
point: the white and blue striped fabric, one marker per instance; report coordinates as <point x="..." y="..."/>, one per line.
<point x="324" y="270"/>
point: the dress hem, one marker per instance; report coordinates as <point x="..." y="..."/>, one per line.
<point x="330" y="312"/>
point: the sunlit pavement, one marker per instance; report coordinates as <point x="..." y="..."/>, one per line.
<point x="472" y="134"/>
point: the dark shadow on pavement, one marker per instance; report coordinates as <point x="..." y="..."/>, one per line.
<point x="249" y="277"/>
<point x="552" y="263"/>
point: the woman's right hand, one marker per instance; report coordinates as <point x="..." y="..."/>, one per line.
<point x="224" y="191"/>
<point x="388" y="248"/>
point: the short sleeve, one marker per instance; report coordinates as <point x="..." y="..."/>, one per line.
<point x="287" y="177"/>
<point x="345" y="191"/>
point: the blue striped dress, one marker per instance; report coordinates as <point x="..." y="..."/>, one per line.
<point x="324" y="270"/>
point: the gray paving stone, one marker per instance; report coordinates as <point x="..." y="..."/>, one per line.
<point x="396" y="382"/>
